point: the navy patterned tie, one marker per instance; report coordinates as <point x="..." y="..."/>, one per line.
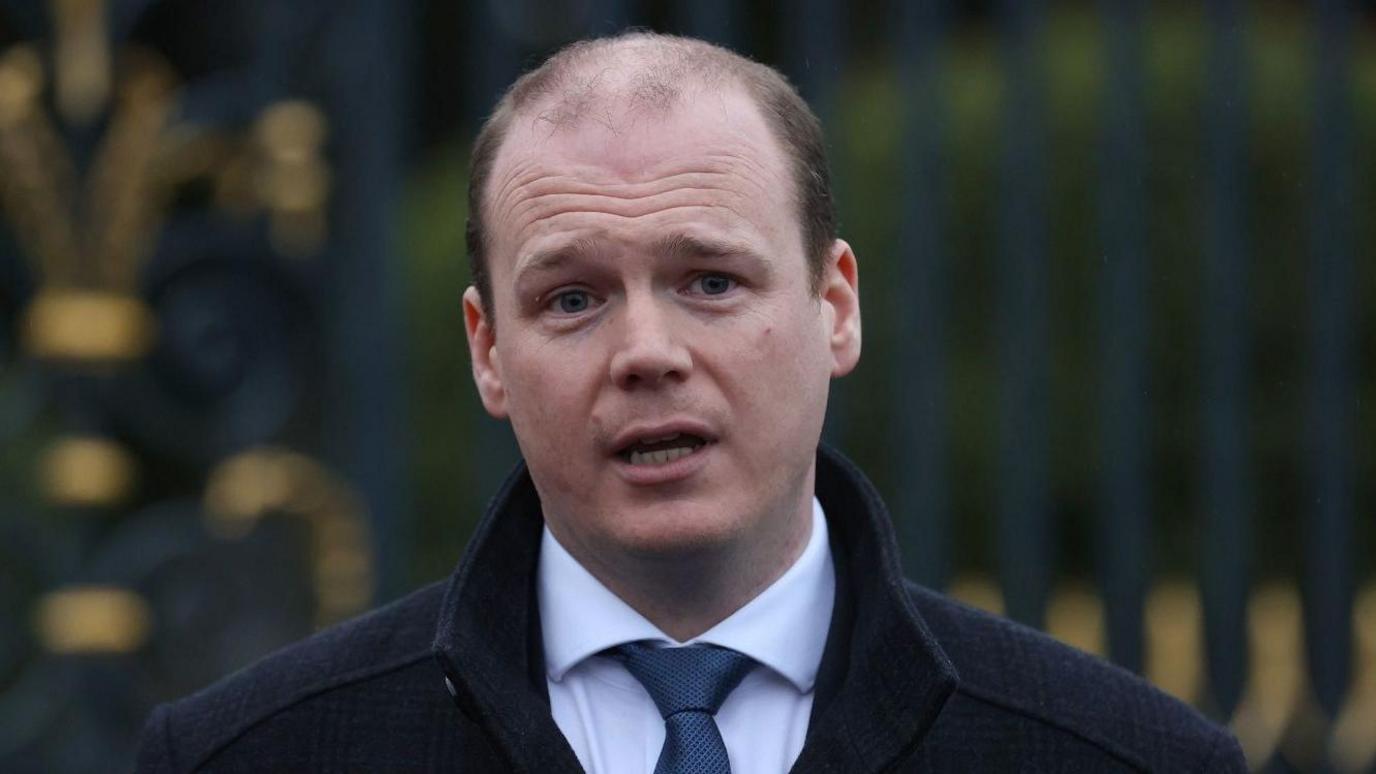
<point x="688" y="685"/>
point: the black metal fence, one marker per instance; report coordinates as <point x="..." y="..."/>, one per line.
<point x="200" y="458"/>
<point x="1117" y="380"/>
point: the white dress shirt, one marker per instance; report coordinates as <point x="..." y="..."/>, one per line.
<point x="610" y="720"/>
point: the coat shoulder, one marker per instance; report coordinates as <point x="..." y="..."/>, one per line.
<point x="392" y="640"/>
<point x="1010" y="673"/>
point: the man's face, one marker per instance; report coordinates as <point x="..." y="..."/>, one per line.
<point x="657" y="344"/>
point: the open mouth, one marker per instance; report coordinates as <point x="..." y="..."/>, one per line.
<point x="661" y="451"/>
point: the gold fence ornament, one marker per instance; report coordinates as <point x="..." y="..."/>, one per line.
<point x="293" y="180"/>
<point x="978" y="591"/>
<point x="82" y="56"/>
<point x="88" y="472"/>
<point x="1275" y="681"/>
<point x="1352" y="747"/>
<point x="92" y="619"/>
<point x="257" y="483"/>
<point x="37" y="180"/>
<point x="88" y="327"/>
<point x="1175" y="639"/>
<point x="89" y="239"/>
<point x="1075" y="616"/>
<point x="21" y="83"/>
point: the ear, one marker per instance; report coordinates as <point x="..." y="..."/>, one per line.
<point x="840" y="292"/>
<point x="482" y="351"/>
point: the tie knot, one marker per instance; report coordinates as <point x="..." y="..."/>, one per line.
<point x="694" y="677"/>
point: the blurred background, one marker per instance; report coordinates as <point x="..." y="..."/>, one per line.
<point x="1119" y="299"/>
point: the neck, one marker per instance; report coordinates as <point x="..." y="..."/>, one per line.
<point x="684" y="595"/>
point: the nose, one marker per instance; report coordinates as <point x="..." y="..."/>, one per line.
<point x="649" y="350"/>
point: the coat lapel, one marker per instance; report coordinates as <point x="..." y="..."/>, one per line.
<point x="884" y="678"/>
<point x="488" y="636"/>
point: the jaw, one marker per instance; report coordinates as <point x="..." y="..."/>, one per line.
<point x="684" y="558"/>
<point x="687" y="586"/>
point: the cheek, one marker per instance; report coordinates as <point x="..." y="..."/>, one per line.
<point x="795" y="350"/>
<point x="784" y="377"/>
<point x="544" y="403"/>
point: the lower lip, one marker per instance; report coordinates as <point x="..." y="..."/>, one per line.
<point x="679" y="469"/>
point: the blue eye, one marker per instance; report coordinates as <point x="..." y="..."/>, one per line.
<point x="573" y="301"/>
<point x="715" y="284"/>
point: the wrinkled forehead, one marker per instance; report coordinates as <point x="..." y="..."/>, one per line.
<point x="618" y="142"/>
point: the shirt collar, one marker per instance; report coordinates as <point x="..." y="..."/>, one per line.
<point x="784" y="627"/>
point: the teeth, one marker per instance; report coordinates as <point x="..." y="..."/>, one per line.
<point x="660" y="457"/>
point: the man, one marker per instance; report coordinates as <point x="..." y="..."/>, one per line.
<point x="678" y="579"/>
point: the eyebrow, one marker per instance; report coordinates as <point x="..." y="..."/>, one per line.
<point x="677" y="246"/>
<point x="680" y="246"/>
<point x="554" y="258"/>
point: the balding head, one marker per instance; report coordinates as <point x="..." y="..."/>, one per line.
<point x="608" y="79"/>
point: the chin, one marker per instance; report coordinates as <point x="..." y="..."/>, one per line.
<point x="667" y="533"/>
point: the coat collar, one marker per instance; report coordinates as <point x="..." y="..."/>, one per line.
<point x="883" y="679"/>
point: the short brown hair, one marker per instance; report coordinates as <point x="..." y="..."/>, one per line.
<point x="795" y="127"/>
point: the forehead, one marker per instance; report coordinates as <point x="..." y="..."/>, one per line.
<point x="628" y="163"/>
<point x="620" y="129"/>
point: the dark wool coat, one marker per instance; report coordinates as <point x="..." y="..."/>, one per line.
<point x="451" y="678"/>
